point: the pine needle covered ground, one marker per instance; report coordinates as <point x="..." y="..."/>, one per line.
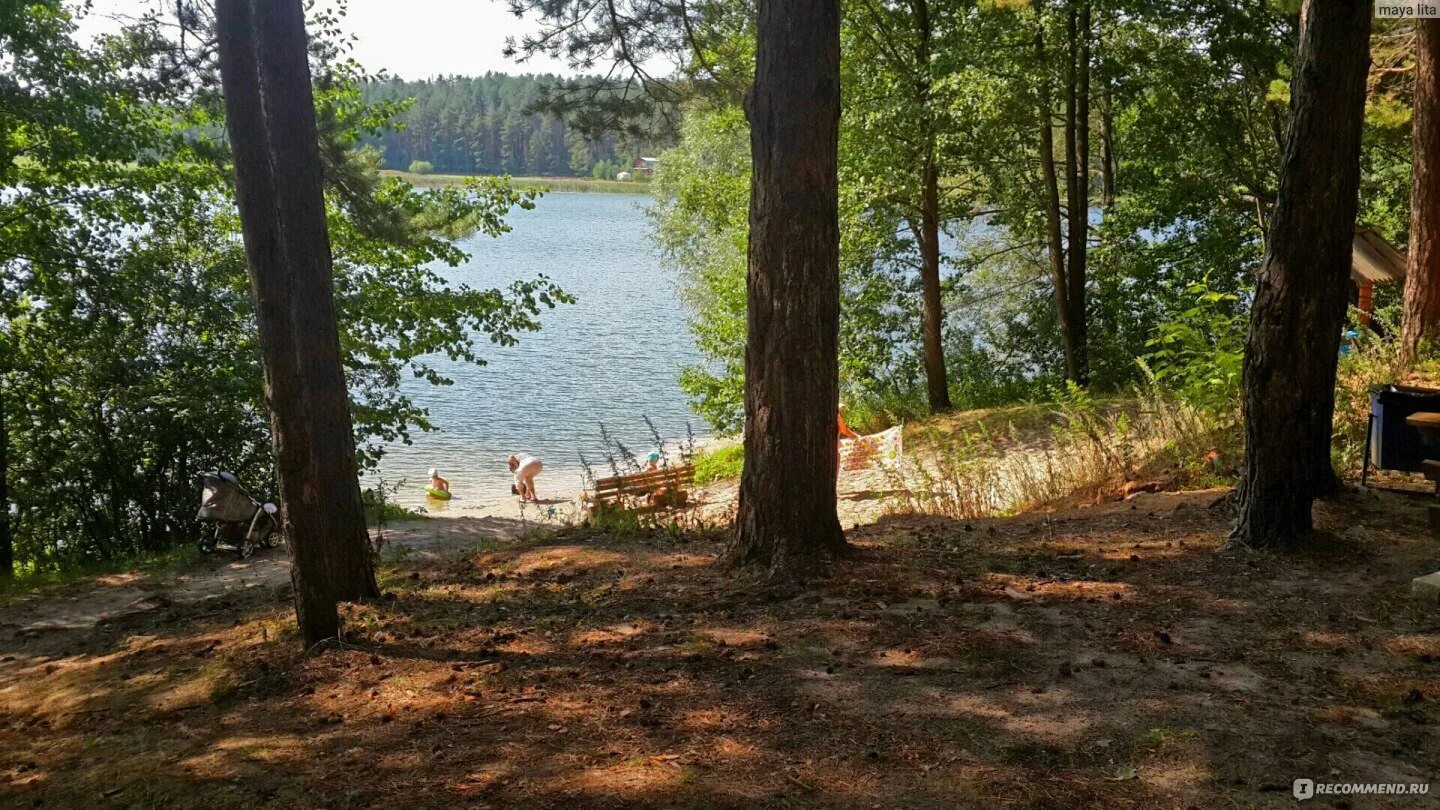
<point x="1106" y="656"/>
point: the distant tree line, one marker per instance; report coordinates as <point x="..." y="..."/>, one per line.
<point x="486" y="125"/>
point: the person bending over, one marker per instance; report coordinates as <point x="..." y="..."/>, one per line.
<point x="525" y="468"/>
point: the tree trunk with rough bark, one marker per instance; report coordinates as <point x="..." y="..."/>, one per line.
<point x="7" y="542"/>
<point x="932" y="311"/>
<point x="786" y="520"/>
<point x="1300" y="298"/>
<point x="1107" y="151"/>
<point x="270" y="116"/>
<point x="1077" y="185"/>
<point x="1050" y="182"/>
<point x="1422" y="279"/>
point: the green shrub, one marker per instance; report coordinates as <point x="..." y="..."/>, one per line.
<point x="422" y="167"/>
<point x="1198" y="355"/>
<point x="380" y="510"/>
<point x="719" y="464"/>
<point x="874" y="411"/>
<point x="376" y="514"/>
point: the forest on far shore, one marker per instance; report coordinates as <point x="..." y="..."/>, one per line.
<point x="489" y="125"/>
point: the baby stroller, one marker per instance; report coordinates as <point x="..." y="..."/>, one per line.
<point x="240" y="521"/>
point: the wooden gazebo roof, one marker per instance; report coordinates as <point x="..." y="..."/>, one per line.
<point x="1374" y="260"/>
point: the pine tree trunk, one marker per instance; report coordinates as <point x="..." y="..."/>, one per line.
<point x="786" y="520"/>
<point x="1077" y="183"/>
<point x="1107" y="150"/>
<point x="1050" y="182"/>
<point x="1080" y="224"/>
<point x="932" y="310"/>
<point x="1300" y="297"/>
<point x="7" y="542"/>
<point x="270" y="116"/>
<point x="1422" y="279"/>
<point x="933" y="313"/>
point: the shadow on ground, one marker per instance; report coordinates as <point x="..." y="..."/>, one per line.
<point x="1111" y="656"/>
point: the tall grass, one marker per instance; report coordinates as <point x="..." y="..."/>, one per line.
<point x="1091" y="449"/>
<point x="639" y="511"/>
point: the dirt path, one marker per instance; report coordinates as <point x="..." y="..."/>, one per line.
<point x="81" y="606"/>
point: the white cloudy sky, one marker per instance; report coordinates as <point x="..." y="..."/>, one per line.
<point x="413" y="39"/>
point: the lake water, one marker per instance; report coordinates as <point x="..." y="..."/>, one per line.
<point x="612" y="357"/>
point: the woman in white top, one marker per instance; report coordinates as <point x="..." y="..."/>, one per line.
<point x="525" y="468"/>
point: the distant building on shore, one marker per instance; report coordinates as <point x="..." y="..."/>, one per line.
<point x="624" y="176"/>
<point x="645" y="165"/>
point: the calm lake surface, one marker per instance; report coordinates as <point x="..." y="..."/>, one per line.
<point x="612" y="357"/>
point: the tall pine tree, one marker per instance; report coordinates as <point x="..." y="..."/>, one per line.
<point x="1422" y="280"/>
<point x="786" y="521"/>
<point x="270" y="115"/>
<point x="1300" y="298"/>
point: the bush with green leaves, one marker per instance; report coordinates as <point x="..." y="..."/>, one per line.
<point x="1198" y="354"/>
<point x="722" y="463"/>
<point x="421" y="167"/>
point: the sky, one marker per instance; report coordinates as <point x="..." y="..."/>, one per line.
<point x="413" y="39"/>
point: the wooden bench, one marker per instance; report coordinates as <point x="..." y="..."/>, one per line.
<point x="646" y="491"/>
<point x="1427" y="423"/>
